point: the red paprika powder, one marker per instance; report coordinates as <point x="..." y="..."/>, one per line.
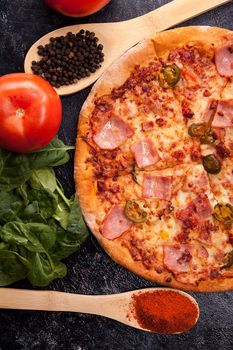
<point x="165" y="311"/>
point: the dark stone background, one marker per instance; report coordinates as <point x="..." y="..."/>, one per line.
<point x="91" y="271"/>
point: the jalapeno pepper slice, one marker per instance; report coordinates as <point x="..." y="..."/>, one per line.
<point x="169" y="75"/>
<point x="199" y="129"/>
<point x="134" y="213"/>
<point x="223" y="213"/>
<point x="211" y="164"/>
<point x="208" y="138"/>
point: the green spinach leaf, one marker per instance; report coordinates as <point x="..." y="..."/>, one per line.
<point x="47" y="201"/>
<point x="10" y="206"/>
<point x="22" y="192"/>
<point x="35" y="237"/>
<point x="62" y="213"/>
<point x="11" y="268"/>
<point x="70" y="240"/>
<point x="52" y="155"/>
<point x="15" y="171"/>
<point x="41" y="272"/>
<point x="43" y="178"/>
<point x="39" y="225"/>
<point x="31" y="213"/>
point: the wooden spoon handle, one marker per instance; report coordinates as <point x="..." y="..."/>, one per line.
<point x="22" y="299"/>
<point x="173" y="13"/>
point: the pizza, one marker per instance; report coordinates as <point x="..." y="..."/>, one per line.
<point x="154" y="159"/>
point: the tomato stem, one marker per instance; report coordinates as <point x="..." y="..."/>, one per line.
<point x="20" y="113"/>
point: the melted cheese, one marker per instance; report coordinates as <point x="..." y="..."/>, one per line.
<point x="194" y="182"/>
<point x="166" y="229"/>
<point x="222" y="184"/>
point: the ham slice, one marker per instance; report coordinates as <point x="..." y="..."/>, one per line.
<point x="224" y="59"/>
<point x="224" y="114"/>
<point x="201" y="206"/>
<point x="157" y="187"/>
<point x="177" y="257"/>
<point x="115" y="223"/>
<point x="145" y="153"/>
<point x="202" y="182"/>
<point x="113" y="133"/>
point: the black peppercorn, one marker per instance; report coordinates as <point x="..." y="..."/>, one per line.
<point x="66" y="59"/>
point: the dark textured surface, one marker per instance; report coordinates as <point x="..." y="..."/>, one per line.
<point x="91" y="271"/>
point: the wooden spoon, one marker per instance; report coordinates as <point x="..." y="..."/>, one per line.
<point x="119" y="36"/>
<point x="115" y="306"/>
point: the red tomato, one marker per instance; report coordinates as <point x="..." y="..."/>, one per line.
<point x="30" y="112"/>
<point x="77" y="8"/>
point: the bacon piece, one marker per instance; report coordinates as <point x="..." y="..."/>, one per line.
<point x="113" y="133"/>
<point x="177" y="257"/>
<point x="224" y="59"/>
<point x="214" y="273"/>
<point x="115" y="223"/>
<point x="197" y="184"/>
<point x="202" y="251"/>
<point x="207" y="93"/>
<point x="222" y="151"/>
<point x="146" y="126"/>
<point x="195" y="155"/>
<point x="199" y="209"/>
<point x="204" y="230"/>
<point x="157" y="187"/>
<point x="178" y="155"/>
<point x="191" y="79"/>
<point x="104" y="103"/>
<point x="145" y="153"/>
<point x="160" y="122"/>
<point x="186" y="56"/>
<point x="230" y="237"/>
<point x="219" y="133"/>
<point x="219" y="255"/>
<point x="202" y="207"/>
<point x="101" y="186"/>
<point x="224" y="114"/>
<point x="186" y="110"/>
<point x="183" y="236"/>
<point x="188" y="219"/>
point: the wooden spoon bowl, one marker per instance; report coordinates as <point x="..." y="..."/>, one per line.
<point x="120" y="36"/>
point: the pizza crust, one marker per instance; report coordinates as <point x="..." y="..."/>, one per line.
<point x="86" y="186"/>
